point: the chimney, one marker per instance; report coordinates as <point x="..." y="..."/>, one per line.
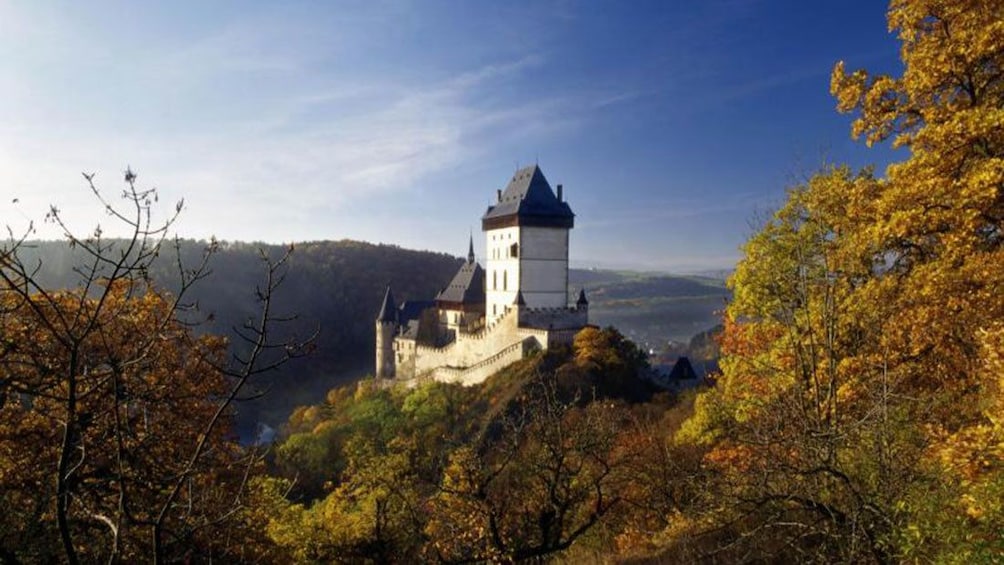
<point x="559" y="192"/>
<point x="498" y="194"/>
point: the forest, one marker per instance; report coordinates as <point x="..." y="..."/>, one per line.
<point x="856" y="415"/>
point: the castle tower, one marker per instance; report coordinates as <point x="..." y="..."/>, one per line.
<point x="386" y="327"/>
<point x="526" y="236"/>
<point x="462" y="303"/>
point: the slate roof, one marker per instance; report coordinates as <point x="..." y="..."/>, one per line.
<point x="528" y="200"/>
<point x="682" y="370"/>
<point x="467" y="286"/>
<point x="388" y="311"/>
<point x="412" y="309"/>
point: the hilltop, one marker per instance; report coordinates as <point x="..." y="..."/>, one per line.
<point x="335" y="289"/>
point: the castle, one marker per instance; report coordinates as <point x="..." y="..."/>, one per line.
<point x="487" y="318"/>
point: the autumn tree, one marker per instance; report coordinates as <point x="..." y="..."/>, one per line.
<point x="114" y="413"/>
<point x="548" y="477"/>
<point x="855" y="416"/>
<point x="937" y="220"/>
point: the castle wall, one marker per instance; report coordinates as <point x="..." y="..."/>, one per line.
<point x="469" y="348"/>
<point x="554" y="318"/>
<point x="544" y="267"/>
<point x="472" y="357"/>
<point x="404" y="358"/>
<point x="480" y="371"/>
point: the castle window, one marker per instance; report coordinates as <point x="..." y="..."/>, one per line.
<point x="505" y="280"/>
<point x="514" y="250"/>
<point x="495" y="280"/>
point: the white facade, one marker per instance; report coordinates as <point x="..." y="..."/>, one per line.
<point x="533" y="260"/>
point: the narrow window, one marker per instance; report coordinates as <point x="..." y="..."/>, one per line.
<point x="505" y="280"/>
<point x="495" y="281"/>
<point x="514" y="250"/>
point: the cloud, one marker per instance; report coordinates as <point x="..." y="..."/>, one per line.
<point x="290" y="154"/>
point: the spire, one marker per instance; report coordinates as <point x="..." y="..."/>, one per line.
<point x="519" y="299"/>
<point x="388" y="312"/>
<point x="470" y="250"/>
<point x="582" y="298"/>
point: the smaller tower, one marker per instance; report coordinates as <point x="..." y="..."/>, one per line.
<point x="461" y="304"/>
<point x="386" y="327"/>
<point x="582" y="306"/>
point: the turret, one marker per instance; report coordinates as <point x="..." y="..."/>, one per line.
<point x="582" y="305"/>
<point x="386" y="327"/>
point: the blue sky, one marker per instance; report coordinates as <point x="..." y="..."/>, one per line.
<point x="672" y="125"/>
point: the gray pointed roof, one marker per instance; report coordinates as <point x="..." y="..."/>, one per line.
<point x="388" y="311"/>
<point x="528" y="200"/>
<point x="582" y="298"/>
<point x="467" y="286"/>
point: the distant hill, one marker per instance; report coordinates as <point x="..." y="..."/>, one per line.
<point x="652" y="308"/>
<point x="335" y="288"/>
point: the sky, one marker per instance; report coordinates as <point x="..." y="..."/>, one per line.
<point x="674" y="126"/>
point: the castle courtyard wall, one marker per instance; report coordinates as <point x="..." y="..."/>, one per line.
<point x="472" y="357"/>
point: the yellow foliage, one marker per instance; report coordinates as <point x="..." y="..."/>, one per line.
<point x="862" y="349"/>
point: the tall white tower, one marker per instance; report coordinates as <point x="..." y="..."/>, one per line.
<point x="526" y="236"/>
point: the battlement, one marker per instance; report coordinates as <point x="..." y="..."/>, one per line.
<point x="553" y="318"/>
<point x="465" y="358"/>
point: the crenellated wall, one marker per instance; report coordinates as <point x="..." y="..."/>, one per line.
<point x="554" y="318"/>
<point x="472" y="356"/>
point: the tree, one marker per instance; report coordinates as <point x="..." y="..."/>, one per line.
<point x="937" y="222"/>
<point x="549" y="477"/>
<point x="861" y="340"/>
<point x="808" y="447"/>
<point x="115" y="414"/>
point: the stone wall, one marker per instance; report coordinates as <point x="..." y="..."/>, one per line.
<point x="474" y="356"/>
<point x="554" y="318"/>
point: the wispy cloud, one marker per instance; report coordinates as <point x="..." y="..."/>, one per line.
<point x="301" y="149"/>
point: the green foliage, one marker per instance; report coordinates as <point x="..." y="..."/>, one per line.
<point x="408" y="474"/>
<point x="857" y="415"/>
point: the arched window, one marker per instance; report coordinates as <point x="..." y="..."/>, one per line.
<point x="505" y="280"/>
<point x="495" y="280"/>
